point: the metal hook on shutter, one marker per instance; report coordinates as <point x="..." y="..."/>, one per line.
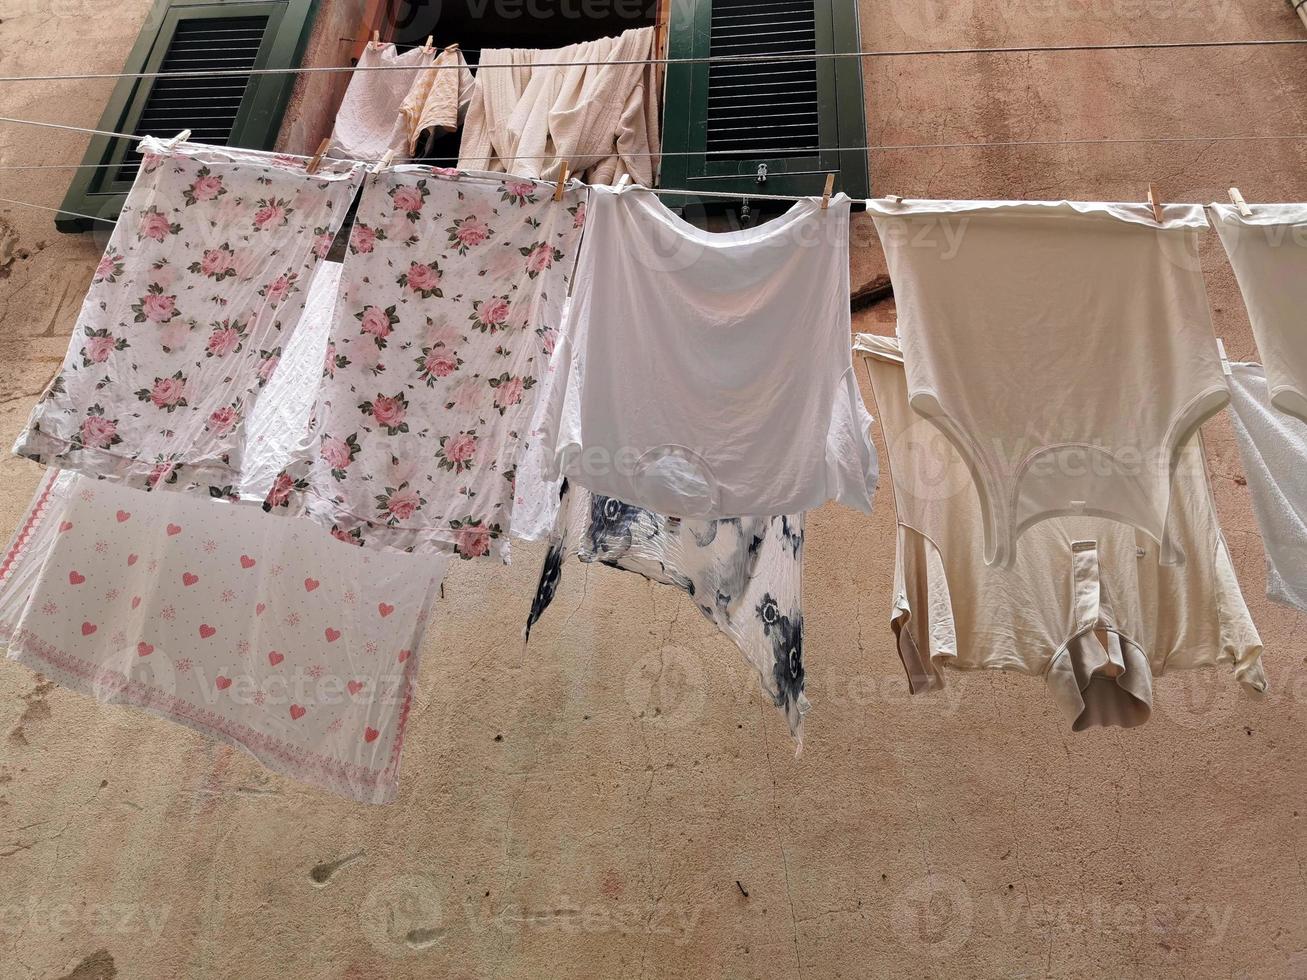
<point x="762" y="173"/>
<point x="746" y="216"/>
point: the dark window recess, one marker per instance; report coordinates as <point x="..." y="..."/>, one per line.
<point x="478" y="24"/>
<point x="777" y="124"/>
<point x="206" y="106"/>
<point x="760" y="109"/>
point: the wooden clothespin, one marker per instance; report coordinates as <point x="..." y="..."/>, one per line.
<point x="179" y="139"/>
<point x="427" y="48"/>
<point x="1155" y="202"/>
<point x="826" y="191"/>
<point x="376" y="39"/>
<point x="1237" y="200"/>
<point x="384" y="162"/>
<point x="896" y="198"/>
<point x="563" y="174"/>
<point x="315" y="161"/>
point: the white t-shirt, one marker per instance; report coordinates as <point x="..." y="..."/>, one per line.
<point x="708" y="375"/>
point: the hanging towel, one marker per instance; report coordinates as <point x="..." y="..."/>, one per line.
<point x="1087" y="604"/>
<point x="744" y="575"/>
<point x="707" y="375"/>
<point x="199" y="292"/>
<point x="452" y="287"/>
<point x="259" y="632"/>
<point x="487" y="143"/>
<point x="439" y="97"/>
<point x="1273" y="447"/>
<point x="1268" y="251"/>
<point x="368" y="123"/>
<point x="586" y="103"/>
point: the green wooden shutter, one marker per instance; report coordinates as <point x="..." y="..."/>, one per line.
<point x="723" y="121"/>
<point x="192" y="35"/>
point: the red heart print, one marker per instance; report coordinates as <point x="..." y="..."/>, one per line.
<point x="385" y="608"/>
<point x="370" y="734"/>
<point x="144" y="649"/>
<point x="354" y="687"/>
<point x="76" y="578"/>
<point x="404" y="655"/>
<point x="331" y="634"/>
<point x="275" y="658"/>
<point x="174" y="529"/>
<point x="88" y="629"/>
<point x="296" y="712"/>
<point x="310" y="584"/>
<point x="189" y="578"/>
<point x="131" y="560"/>
<point x="206" y="631"/>
<point x="65" y="526"/>
<point x="123" y="515"/>
<point x="136" y="601"/>
<point x="247" y="561"/>
<point x="222" y="683"/>
<point x="258" y="610"/>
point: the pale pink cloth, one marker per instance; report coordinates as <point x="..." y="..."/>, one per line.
<point x="254" y="630"/>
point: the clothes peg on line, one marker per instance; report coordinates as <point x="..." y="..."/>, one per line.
<point x="826" y="192"/>
<point x="315" y="161"/>
<point x="179" y="139"/>
<point x="376" y="39"/>
<point x="563" y="174"/>
<point x="427" y="47"/>
<point x="1155" y="202"/>
<point x="1237" y="200"/>
<point x="384" y="162"/>
<point x="623" y="180"/>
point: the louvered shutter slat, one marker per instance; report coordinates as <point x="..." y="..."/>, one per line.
<point x="756" y="106"/>
<point x="207" y="107"/>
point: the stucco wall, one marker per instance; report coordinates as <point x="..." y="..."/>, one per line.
<point x="598" y="804"/>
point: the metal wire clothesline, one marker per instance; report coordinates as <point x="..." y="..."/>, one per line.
<point x="770" y="58"/>
<point x="722" y="195"/>
<point x="762" y="57"/>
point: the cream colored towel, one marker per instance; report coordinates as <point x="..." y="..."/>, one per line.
<point x="438" y="98"/>
<point x="595" y="110"/>
<point x="500" y="80"/>
<point x="368" y="122"/>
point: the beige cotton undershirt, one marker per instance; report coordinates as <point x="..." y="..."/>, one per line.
<point x="1086" y="603"/>
<point x="1065" y="348"/>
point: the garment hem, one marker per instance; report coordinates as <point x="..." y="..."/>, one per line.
<point x="359" y="783"/>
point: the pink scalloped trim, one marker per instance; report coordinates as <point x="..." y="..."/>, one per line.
<point x="35" y="515"/>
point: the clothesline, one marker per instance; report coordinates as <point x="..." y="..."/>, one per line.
<point x="768" y="58"/>
<point x="680" y="192"/>
<point x="759" y="151"/>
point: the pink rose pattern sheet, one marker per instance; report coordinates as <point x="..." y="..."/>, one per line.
<point x="450" y="298"/>
<point x="197" y="294"/>
<point x="248" y="628"/>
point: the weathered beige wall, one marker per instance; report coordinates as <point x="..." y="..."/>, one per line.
<point x="585" y="807"/>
